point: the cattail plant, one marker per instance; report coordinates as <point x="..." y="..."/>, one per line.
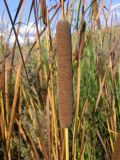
<point x="116" y="154"/>
<point x="65" y="74"/>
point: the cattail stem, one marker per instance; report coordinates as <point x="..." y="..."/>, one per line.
<point x="62" y="6"/>
<point x="67" y="143"/>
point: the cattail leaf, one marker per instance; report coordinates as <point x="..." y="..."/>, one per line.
<point x="32" y="4"/>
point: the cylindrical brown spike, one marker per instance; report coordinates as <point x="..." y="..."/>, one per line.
<point x="65" y="73"/>
<point x="116" y="154"/>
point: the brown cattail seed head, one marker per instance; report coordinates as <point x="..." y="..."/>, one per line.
<point x="65" y="74"/>
<point x="116" y="154"/>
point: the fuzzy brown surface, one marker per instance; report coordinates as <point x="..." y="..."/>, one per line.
<point x="65" y="73"/>
<point x="116" y="154"/>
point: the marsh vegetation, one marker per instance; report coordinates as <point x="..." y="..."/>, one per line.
<point x="30" y="127"/>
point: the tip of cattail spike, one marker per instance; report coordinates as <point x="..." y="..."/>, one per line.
<point x="116" y="154"/>
<point x="65" y="73"/>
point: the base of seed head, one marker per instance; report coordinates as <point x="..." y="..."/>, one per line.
<point x="116" y="154"/>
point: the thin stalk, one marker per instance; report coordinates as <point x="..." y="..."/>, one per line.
<point x="62" y="6"/>
<point x="67" y="143"/>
